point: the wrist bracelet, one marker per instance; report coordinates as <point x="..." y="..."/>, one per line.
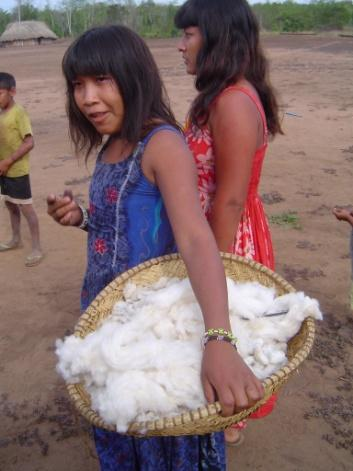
<point x="219" y="334"/>
<point x="84" y="222"/>
<point x="219" y="331"/>
<point x="232" y="341"/>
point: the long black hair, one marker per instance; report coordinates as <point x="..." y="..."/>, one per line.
<point x="119" y="52"/>
<point x="230" y="50"/>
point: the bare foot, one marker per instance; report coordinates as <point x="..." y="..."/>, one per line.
<point x="11" y="245"/>
<point x="34" y="258"/>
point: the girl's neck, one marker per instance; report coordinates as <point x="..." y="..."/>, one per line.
<point x="117" y="150"/>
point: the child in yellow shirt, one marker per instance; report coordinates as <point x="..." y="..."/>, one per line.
<point x="16" y="140"/>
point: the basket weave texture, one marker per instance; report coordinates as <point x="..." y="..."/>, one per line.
<point x="205" y="419"/>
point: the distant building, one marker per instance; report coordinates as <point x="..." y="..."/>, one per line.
<point x="27" y="32"/>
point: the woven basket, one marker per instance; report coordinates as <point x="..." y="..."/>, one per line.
<point x="205" y="419"/>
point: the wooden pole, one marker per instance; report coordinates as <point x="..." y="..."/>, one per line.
<point x="19" y="10"/>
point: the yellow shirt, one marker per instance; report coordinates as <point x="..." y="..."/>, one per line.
<point x="14" y="127"/>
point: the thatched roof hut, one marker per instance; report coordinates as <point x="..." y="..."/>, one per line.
<point x="26" y="32"/>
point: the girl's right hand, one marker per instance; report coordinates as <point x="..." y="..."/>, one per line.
<point x="226" y="378"/>
<point x="64" y="209"/>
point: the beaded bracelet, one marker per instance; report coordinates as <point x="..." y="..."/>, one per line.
<point x="219" y="337"/>
<point x="219" y="331"/>
<point x="84" y="222"/>
<point x="219" y="334"/>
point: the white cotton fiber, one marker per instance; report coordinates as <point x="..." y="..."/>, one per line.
<point x="249" y="300"/>
<point x="144" y="361"/>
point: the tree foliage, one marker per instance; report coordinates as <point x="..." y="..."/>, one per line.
<point x="316" y="16"/>
<point x="72" y="17"/>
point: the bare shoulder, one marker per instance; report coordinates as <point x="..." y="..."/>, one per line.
<point x="234" y="114"/>
<point x="166" y="149"/>
<point x="166" y="137"/>
<point x="166" y="142"/>
<point x="235" y="103"/>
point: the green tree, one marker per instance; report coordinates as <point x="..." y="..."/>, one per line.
<point x="5" y="18"/>
<point x="28" y="11"/>
<point x="151" y="19"/>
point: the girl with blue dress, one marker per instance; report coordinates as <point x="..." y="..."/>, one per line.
<point x="143" y="203"/>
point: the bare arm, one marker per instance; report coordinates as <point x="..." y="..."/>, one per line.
<point x="237" y="132"/>
<point x="169" y="164"/>
<point x="26" y="145"/>
<point x="171" y="167"/>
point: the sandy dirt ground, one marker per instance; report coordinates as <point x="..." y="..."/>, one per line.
<point x="307" y="171"/>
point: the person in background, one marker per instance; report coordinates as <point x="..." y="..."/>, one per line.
<point x="229" y="123"/>
<point x="16" y="140"/>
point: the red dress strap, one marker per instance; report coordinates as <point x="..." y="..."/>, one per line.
<point x="255" y="99"/>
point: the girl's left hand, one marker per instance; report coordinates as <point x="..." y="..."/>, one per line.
<point x="226" y="378"/>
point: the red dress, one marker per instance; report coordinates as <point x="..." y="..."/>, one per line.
<point x="252" y="239"/>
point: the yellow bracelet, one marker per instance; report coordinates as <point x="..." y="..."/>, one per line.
<point x="219" y="331"/>
<point x="220" y="335"/>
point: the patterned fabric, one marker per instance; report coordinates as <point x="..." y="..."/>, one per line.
<point x="252" y="239"/>
<point x="128" y="225"/>
<point x="189" y="453"/>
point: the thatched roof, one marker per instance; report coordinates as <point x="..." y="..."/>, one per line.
<point x="26" y="30"/>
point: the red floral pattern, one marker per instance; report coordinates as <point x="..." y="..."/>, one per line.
<point x="252" y="239"/>
<point x="112" y="195"/>
<point x="100" y="246"/>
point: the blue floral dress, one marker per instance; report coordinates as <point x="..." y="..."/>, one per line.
<point x="128" y="224"/>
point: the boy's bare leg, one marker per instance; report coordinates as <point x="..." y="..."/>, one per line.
<point x="15" y="219"/>
<point x="31" y="217"/>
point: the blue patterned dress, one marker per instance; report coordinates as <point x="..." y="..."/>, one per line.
<point x="128" y="224"/>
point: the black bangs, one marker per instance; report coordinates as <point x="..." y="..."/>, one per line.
<point x="119" y="52"/>
<point x="88" y="56"/>
<point x="186" y="16"/>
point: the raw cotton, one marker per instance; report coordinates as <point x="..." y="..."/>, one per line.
<point x="144" y="361"/>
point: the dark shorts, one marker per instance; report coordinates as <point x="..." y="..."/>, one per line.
<point x="16" y="190"/>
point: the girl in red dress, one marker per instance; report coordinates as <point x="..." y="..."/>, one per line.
<point x="228" y="127"/>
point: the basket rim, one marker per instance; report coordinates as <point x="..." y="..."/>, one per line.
<point x="270" y="383"/>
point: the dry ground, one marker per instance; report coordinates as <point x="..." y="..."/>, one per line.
<point x="307" y="171"/>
